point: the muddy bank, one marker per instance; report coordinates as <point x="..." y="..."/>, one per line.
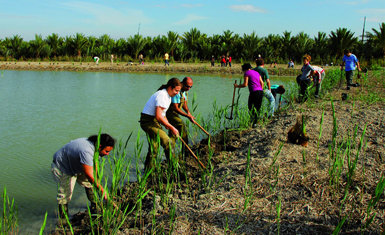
<point x="280" y="70"/>
<point x="242" y="196"/>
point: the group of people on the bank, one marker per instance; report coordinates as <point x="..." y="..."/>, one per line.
<point x="74" y="162"/>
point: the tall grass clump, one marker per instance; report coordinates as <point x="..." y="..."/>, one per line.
<point x="9" y="220"/>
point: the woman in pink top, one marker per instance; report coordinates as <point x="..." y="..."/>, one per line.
<point x="254" y="81"/>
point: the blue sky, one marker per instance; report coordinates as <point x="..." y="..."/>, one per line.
<point x="121" y="19"/>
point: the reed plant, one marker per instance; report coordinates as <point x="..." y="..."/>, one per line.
<point x="9" y="221"/>
<point x="369" y="217"/>
<point x="248" y="188"/>
<point x="41" y="232"/>
<point x="278" y="217"/>
<point x="320" y="134"/>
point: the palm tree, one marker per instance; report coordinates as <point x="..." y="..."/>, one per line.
<point x="136" y="44"/>
<point x="271" y="46"/>
<point x="320" y="46"/>
<point x="378" y="38"/>
<point x="105" y="44"/>
<point x="251" y="45"/>
<point x="341" y="39"/>
<point x="37" y="46"/>
<point x="14" y="46"/>
<point x="303" y="45"/>
<point x="79" y="44"/>
<point x="227" y="40"/>
<point x="54" y="42"/>
<point x="287" y="44"/>
<point x="190" y="40"/>
<point x="172" y="40"/>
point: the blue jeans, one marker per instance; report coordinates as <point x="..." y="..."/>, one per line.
<point x="269" y="96"/>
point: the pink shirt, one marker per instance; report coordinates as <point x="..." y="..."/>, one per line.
<point x="254" y="82"/>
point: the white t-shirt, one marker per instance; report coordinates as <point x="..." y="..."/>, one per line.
<point x="160" y="98"/>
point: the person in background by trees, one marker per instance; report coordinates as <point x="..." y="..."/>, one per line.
<point x="96" y="59"/>
<point x="75" y="163"/>
<point x="304" y="80"/>
<point x="350" y="61"/>
<point x="166" y="57"/>
<point x="291" y="64"/>
<point x="267" y="89"/>
<point x="230" y="61"/>
<point x="179" y="102"/>
<point x="212" y="61"/>
<point x="254" y="81"/>
<point x="227" y="60"/>
<point x="141" y="60"/>
<point x="112" y="58"/>
<point x="153" y="116"/>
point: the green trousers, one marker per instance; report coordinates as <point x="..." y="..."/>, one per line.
<point x="175" y="120"/>
<point x="153" y="129"/>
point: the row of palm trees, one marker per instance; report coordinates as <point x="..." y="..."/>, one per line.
<point x="197" y="46"/>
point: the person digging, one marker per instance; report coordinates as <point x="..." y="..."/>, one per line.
<point x="74" y="162"/>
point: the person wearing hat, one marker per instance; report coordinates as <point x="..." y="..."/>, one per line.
<point x="74" y="162"/>
<point x="179" y="108"/>
<point x="253" y="80"/>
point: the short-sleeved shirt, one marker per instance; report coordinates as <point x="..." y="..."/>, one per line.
<point x="160" y="98"/>
<point x="306" y="70"/>
<point x="263" y="72"/>
<point x="254" y="80"/>
<point x="166" y="56"/>
<point x="350" y="62"/>
<point x="176" y="99"/>
<point x="70" y="158"/>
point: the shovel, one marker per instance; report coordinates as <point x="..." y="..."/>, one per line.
<point x="192" y="153"/>
<point x="232" y="105"/>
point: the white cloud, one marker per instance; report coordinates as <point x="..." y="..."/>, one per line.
<point x="371" y="11"/>
<point x="105" y="15"/>
<point x="247" y="8"/>
<point x="190" y="18"/>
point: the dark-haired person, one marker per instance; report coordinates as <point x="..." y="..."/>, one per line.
<point x="153" y="117"/>
<point x="350" y="61"/>
<point x="267" y="89"/>
<point x="278" y="89"/>
<point x="318" y="76"/>
<point x="253" y="80"/>
<point x="74" y="162"/>
<point x="179" y="107"/>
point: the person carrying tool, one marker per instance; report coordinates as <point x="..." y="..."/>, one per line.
<point x="350" y="61"/>
<point x="254" y="81"/>
<point x="267" y="89"/>
<point x="74" y="162"/>
<point x="178" y="103"/>
<point x="153" y="116"/>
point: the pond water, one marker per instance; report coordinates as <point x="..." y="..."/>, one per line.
<point x="43" y="110"/>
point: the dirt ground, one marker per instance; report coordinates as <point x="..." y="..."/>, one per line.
<point x="295" y="176"/>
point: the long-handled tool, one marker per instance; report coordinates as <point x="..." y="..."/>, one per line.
<point x="192" y="153"/>
<point x="202" y="128"/>
<point x="232" y="104"/>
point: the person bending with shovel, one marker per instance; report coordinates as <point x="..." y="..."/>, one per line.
<point x="179" y="102"/>
<point x="153" y="117"/>
<point x="74" y="162"/>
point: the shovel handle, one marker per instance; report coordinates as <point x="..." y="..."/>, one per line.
<point x="192" y="153"/>
<point x="232" y="104"/>
<point x="202" y="128"/>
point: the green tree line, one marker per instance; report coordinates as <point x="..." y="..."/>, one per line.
<point x="197" y="46"/>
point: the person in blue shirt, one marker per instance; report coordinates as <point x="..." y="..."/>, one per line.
<point x="350" y="61"/>
<point x="179" y="108"/>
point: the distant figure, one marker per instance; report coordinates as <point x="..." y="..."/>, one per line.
<point x="230" y="61"/>
<point x="350" y="61"/>
<point x="291" y="64"/>
<point x="141" y="60"/>
<point x="227" y="61"/>
<point x="112" y="58"/>
<point x="273" y="64"/>
<point x="74" y="162"/>
<point x="96" y="59"/>
<point x="212" y="61"/>
<point x="166" y="57"/>
<point x="223" y="61"/>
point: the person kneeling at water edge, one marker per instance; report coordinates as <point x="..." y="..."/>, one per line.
<point x="177" y="103"/>
<point x="74" y="162"/>
<point x="153" y="115"/>
<point x="254" y="81"/>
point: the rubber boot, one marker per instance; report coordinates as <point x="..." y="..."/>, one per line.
<point x="91" y="198"/>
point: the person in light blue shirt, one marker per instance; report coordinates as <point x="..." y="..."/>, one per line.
<point x="350" y="61"/>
